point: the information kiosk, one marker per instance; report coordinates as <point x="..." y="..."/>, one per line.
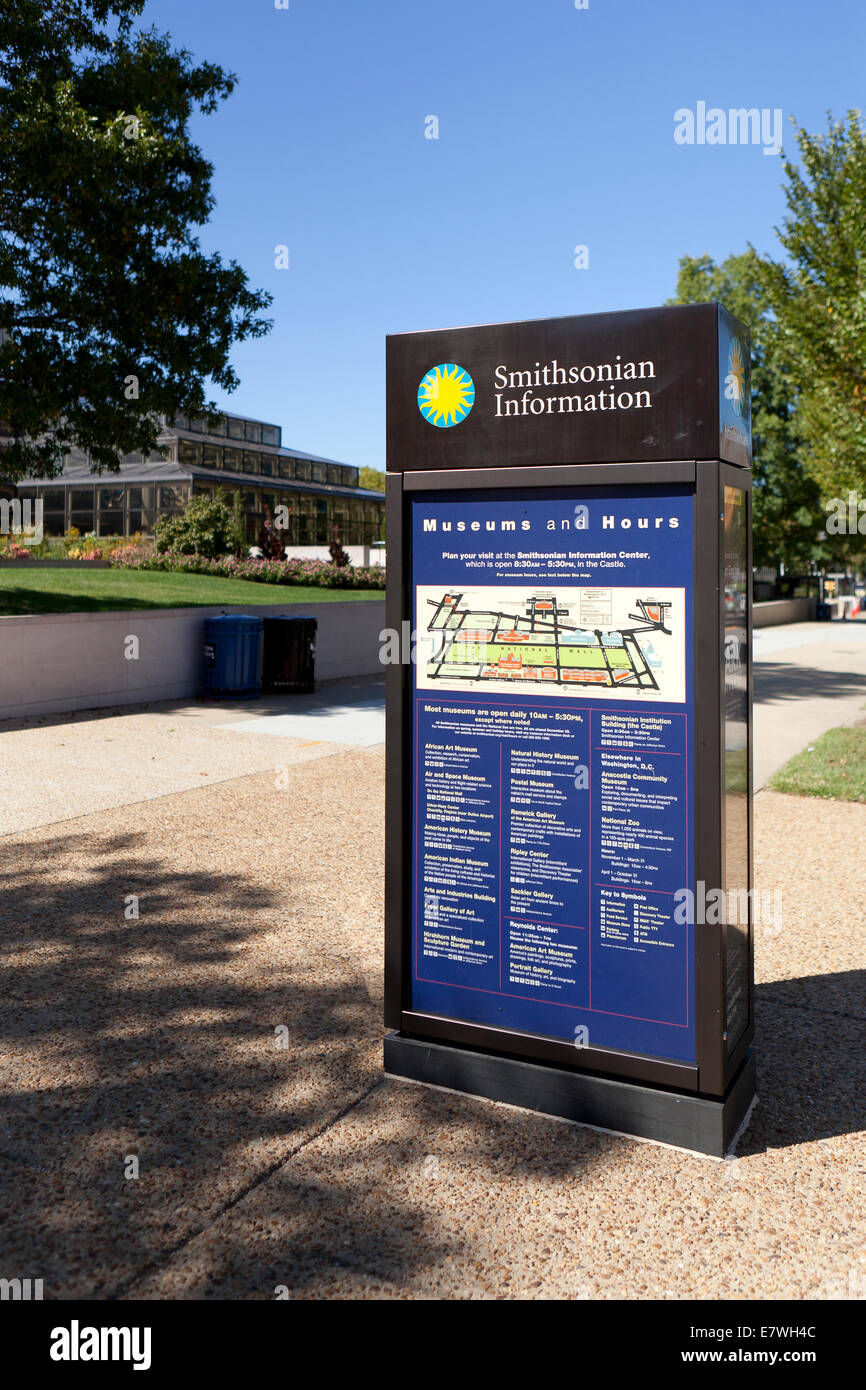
<point x="569" y="843"/>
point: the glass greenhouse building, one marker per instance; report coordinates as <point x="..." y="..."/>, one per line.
<point x="232" y="452"/>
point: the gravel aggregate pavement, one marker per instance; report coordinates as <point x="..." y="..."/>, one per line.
<point x="418" y="1193"/>
<point x="228" y="1037"/>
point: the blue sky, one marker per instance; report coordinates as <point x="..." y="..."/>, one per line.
<point x="555" y="129"/>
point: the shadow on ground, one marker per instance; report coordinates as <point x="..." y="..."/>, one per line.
<point x="24" y="600"/>
<point x="778" y="680"/>
<point x="811" y="1060"/>
<point x="155" y="1037"/>
<point x="364" y="694"/>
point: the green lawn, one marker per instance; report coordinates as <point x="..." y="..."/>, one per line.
<point x="834" y="768"/>
<point x="82" y="591"/>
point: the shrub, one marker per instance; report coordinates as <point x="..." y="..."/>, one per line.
<point x="316" y="573"/>
<point x="270" y="540"/>
<point x="205" y="527"/>
<point x="339" y="556"/>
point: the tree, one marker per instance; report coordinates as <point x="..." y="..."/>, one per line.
<point x="239" y="525"/>
<point x="819" y="299"/>
<point x="110" y="313"/>
<point x="206" y="526"/>
<point x="371" y="478"/>
<point x="787" y="511"/>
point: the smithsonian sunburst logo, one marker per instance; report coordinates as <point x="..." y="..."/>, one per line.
<point x="446" y="395"/>
<point x="735" y="381"/>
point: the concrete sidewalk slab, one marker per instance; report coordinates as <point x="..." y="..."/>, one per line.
<point x="356" y="695"/>
<point x="808" y="678"/>
<point x="358" y="729"/>
<point x="767" y="640"/>
<point x="348" y="712"/>
<point x="57" y="766"/>
<point x="73" y="765"/>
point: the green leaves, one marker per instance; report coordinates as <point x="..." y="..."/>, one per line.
<point x="788" y="515"/>
<point x="372" y="478"/>
<point x="206" y="526"/>
<point x="102" y="278"/>
<point x="33" y="42"/>
<point x="819" y="299"/>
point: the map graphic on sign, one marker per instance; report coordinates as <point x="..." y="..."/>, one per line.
<point x="612" y="642"/>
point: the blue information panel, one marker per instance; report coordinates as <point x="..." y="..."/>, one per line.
<point x="552" y="770"/>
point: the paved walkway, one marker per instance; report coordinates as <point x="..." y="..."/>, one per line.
<point x="68" y="764"/>
<point x="228" y="1037"/>
<point x="809" y="677"/>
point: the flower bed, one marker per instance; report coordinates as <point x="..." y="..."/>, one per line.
<point x="73" y="546"/>
<point x="317" y="573"/>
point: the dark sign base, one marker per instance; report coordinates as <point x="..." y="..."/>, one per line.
<point x="668" y="1117"/>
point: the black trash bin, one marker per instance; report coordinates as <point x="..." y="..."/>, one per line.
<point x="822" y="612"/>
<point x="289" y="660"/>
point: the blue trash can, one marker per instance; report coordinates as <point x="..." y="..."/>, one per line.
<point x="232" y="656"/>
